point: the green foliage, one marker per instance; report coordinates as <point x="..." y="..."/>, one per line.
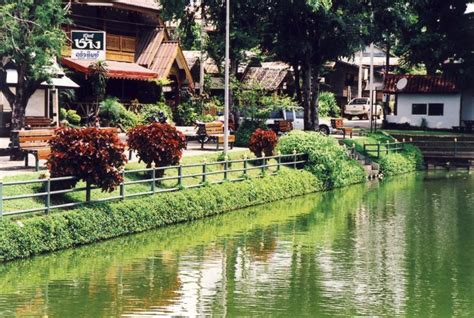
<point x="328" y="106"/>
<point x="328" y="161"/>
<point x="152" y="110"/>
<point x="113" y="113"/>
<point x="256" y="104"/>
<point x="100" y="222"/>
<point x="409" y="160"/>
<point x="31" y="36"/>
<point x="62" y="114"/>
<point x="187" y="113"/>
<point x="98" y="79"/>
<point x="73" y="118"/>
<point x="245" y="131"/>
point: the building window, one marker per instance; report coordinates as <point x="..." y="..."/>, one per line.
<point x="436" y="110"/>
<point x="418" y="109"/>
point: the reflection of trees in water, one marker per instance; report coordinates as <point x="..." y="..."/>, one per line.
<point x="261" y="244"/>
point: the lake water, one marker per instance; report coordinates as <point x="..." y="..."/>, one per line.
<point x="401" y="247"/>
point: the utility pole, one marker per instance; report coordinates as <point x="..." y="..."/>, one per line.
<point x="359" y="87"/>
<point x="202" y="58"/>
<point x="371" y="86"/>
<point x="227" y="66"/>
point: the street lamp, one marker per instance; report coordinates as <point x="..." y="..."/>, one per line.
<point x="227" y="65"/>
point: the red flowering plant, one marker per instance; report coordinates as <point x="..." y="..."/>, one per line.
<point x="90" y="154"/>
<point x="157" y="143"/>
<point x="263" y="141"/>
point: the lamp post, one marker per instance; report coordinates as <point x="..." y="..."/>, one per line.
<point x="227" y="65"/>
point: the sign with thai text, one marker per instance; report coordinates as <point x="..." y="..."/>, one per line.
<point x="88" y="45"/>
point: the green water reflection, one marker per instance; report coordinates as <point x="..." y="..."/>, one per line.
<point x="402" y="247"/>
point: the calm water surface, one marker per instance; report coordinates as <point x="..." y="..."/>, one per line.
<point x="402" y="247"/>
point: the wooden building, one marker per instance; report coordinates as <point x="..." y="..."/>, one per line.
<point x="139" y="54"/>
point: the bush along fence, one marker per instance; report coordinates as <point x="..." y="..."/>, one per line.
<point x="155" y="176"/>
<point x="383" y="148"/>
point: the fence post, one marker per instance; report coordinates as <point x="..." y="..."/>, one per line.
<point x="180" y="176"/>
<point x="264" y="163"/>
<point x="365" y="148"/>
<point x="388" y="147"/>
<point x="455" y="146"/>
<point x="204" y="171"/>
<point x="48" y="192"/>
<point x="245" y="164"/>
<point x="88" y="192"/>
<point x="153" y="177"/>
<point x="278" y="161"/>
<point x="378" y="149"/>
<point x="1" y="199"/>
<point x="226" y="166"/>
<point x="294" y="158"/>
<point x="122" y="186"/>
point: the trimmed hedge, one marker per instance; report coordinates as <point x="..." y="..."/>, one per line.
<point x="328" y="161"/>
<point x="99" y="222"/>
<point x="409" y="160"/>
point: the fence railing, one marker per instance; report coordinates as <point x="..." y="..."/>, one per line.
<point x="383" y="148"/>
<point x="202" y="173"/>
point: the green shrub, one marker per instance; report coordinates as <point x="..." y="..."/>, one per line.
<point x="328" y="161"/>
<point x="73" y="118"/>
<point x="62" y="114"/>
<point x="152" y="110"/>
<point x="113" y="113"/>
<point x="99" y="222"/>
<point x="409" y="160"/>
<point x="245" y="131"/>
<point x="327" y="105"/>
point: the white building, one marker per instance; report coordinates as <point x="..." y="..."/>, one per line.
<point x="435" y="101"/>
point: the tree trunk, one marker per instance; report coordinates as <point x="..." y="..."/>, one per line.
<point x="307" y="70"/>
<point x="297" y="83"/>
<point x="315" y="101"/>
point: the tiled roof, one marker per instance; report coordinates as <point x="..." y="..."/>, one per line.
<point x="165" y="57"/>
<point x="148" y="46"/>
<point x="121" y="70"/>
<point x="421" y="84"/>
<point x="268" y="78"/>
<point x="141" y="4"/>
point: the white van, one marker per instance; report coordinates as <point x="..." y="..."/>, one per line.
<point x="297" y="118"/>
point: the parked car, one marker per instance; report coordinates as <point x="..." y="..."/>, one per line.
<point x="297" y="119"/>
<point x="360" y="107"/>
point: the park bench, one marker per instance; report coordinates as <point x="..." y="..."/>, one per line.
<point x="338" y="124"/>
<point x="283" y="126"/>
<point x="37" y="122"/>
<point x="215" y="131"/>
<point x="35" y="142"/>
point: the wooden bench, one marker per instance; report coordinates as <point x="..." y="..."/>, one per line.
<point x="338" y="124"/>
<point x="38" y="122"/>
<point x="35" y="142"/>
<point x="215" y="131"/>
<point x="283" y="126"/>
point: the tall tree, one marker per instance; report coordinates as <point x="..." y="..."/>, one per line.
<point x="309" y="33"/>
<point x="30" y="39"/>
<point x="436" y="32"/>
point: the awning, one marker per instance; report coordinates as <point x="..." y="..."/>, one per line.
<point x="120" y="70"/>
<point x="61" y="81"/>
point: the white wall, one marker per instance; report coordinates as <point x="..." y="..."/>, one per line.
<point x="36" y="105"/>
<point x="452" y="109"/>
<point x="468" y="105"/>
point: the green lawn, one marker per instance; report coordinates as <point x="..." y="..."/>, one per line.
<point x="374" y="138"/>
<point x="38" y="202"/>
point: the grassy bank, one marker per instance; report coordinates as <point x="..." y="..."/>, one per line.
<point x="391" y="163"/>
<point x="95" y="223"/>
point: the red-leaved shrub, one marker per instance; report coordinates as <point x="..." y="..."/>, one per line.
<point x="263" y="141"/>
<point x="90" y="154"/>
<point x="157" y="143"/>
